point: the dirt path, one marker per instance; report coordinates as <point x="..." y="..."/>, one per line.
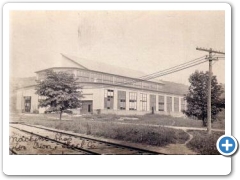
<point x="190" y="137"/>
<point x="174" y="127"/>
<point x="179" y="149"/>
<point x="193" y="128"/>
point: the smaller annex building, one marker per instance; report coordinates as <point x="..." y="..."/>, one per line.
<point x="109" y="89"/>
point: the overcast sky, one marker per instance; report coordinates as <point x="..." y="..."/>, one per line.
<point x="148" y="41"/>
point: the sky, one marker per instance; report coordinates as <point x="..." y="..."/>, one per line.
<point x="148" y="41"/>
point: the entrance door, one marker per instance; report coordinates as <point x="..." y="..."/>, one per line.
<point x="152" y="103"/>
<point x="89" y="108"/>
<point x="86" y="107"/>
<point x="27" y="103"/>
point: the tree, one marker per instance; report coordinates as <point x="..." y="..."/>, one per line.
<point x="197" y="97"/>
<point x="60" y="90"/>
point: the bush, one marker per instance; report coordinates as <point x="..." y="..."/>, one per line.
<point x="98" y="111"/>
<point x="204" y="143"/>
<point x="67" y="111"/>
<point x="35" y="111"/>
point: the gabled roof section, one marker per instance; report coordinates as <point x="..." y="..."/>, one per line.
<point x="104" y="67"/>
<point x="73" y="61"/>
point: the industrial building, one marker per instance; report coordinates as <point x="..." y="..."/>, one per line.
<point x="109" y="89"/>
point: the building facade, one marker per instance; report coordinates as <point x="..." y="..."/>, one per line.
<point x="109" y="89"/>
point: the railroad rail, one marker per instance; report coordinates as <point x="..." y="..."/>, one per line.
<point x="79" y="143"/>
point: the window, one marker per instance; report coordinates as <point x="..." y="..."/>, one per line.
<point x="83" y="76"/>
<point x="183" y="104"/>
<point x="122" y="104"/>
<point x="169" y="104"/>
<point x="160" y="103"/>
<point x="143" y="102"/>
<point x="145" y="85"/>
<point x="132" y="101"/>
<point x="96" y="77"/>
<point x="121" y="100"/>
<point x="107" y="78"/>
<point x="149" y="85"/>
<point x="119" y="80"/>
<point x="83" y="73"/>
<point x="70" y="71"/>
<point x="137" y="84"/>
<point x="108" y="98"/>
<point x="108" y="93"/>
<point x="129" y="82"/>
<point x="159" y="87"/>
<point x="176" y="104"/>
<point x="27" y="103"/>
<point x="153" y="86"/>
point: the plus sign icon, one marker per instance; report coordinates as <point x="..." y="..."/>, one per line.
<point x="227" y="145"/>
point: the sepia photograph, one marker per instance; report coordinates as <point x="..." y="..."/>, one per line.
<point x="109" y="82"/>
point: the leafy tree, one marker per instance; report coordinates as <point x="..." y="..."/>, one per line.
<point x="197" y="97"/>
<point x="61" y="91"/>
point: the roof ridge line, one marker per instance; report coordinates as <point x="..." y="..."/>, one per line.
<point x="72" y="60"/>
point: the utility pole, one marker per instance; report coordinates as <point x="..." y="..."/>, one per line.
<point x="209" y="110"/>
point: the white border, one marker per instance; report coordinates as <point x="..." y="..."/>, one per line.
<point x="114" y="165"/>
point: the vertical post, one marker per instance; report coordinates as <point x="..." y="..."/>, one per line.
<point x="165" y="103"/>
<point x="209" y="94"/>
<point x="210" y="58"/>
<point x="127" y="100"/>
<point x="148" y="103"/>
<point x="21" y="109"/>
<point x="179" y="104"/>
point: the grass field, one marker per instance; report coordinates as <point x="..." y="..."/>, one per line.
<point x="155" y="119"/>
<point x="158" y="136"/>
<point x="109" y="126"/>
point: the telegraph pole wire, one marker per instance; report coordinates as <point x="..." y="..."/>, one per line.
<point x="163" y="72"/>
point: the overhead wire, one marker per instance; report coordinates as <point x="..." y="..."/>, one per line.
<point x="171" y="70"/>
<point x="197" y="59"/>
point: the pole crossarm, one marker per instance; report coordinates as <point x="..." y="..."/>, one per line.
<point x="209" y="50"/>
<point x="213" y="58"/>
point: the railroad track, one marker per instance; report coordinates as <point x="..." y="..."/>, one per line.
<point x="70" y="143"/>
<point x="41" y="144"/>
